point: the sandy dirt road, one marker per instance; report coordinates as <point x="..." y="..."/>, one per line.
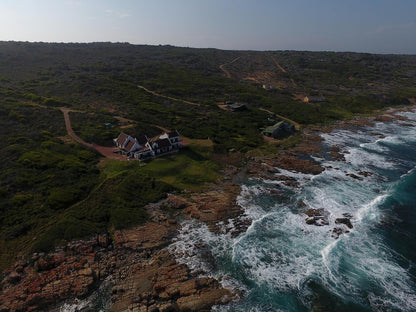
<point x="103" y="150"/>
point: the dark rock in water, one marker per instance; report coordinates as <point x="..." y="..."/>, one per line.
<point x="316" y="212"/>
<point x="336" y="232"/>
<point x="288" y="181"/>
<point x="352" y="175"/>
<point x="365" y="173"/>
<point x="284" y="178"/>
<point x="318" y="221"/>
<point x="291" y="183"/>
<point x="318" y="217"/>
<point x="345" y="221"/>
<point x="310" y="220"/>
<point x="381" y="136"/>
<point x="335" y="153"/>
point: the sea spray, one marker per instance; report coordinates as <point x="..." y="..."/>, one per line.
<point x="283" y="264"/>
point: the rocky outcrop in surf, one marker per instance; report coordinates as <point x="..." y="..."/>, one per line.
<point x="144" y="274"/>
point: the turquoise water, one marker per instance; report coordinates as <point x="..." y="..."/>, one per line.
<point x="283" y="264"/>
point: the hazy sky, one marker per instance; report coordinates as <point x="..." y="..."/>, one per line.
<point x="380" y="26"/>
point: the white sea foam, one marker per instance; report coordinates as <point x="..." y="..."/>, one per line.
<point x="76" y="305"/>
<point x="192" y="244"/>
<point x="280" y="253"/>
<point x="285" y="267"/>
<point x="98" y="301"/>
<point x="369" y="211"/>
<point x="363" y="256"/>
<point x="375" y="146"/>
<point x="360" y="158"/>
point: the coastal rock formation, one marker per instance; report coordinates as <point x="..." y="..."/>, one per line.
<point x="335" y="153"/>
<point x="293" y="163"/>
<point x="354" y="176"/>
<point x="317" y="217"/>
<point x="338" y="231"/>
<point x="267" y="166"/>
<point x="161" y="284"/>
<point x="50" y="278"/>
<point x="365" y="173"/>
<point x="145" y="276"/>
<point x="345" y="221"/>
<point x="216" y="207"/>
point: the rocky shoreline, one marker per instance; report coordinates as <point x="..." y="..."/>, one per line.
<point x="143" y="274"/>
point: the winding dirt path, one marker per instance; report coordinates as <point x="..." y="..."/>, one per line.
<point x="103" y="150"/>
<point x="282" y="69"/>
<point x="226" y="72"/>
<point x="167" y="97"/>
<point x="278" y="65"/>
<point x="71" y="132"/>
<point x="297" y="126"/>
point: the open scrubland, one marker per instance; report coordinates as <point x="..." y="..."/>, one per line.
<point x="55" y="190"/>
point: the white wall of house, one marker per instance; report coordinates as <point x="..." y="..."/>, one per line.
<point x="164" y="136"/>
<point x="172" y="140"/>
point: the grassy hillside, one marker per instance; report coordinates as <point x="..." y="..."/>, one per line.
<point x="53" y="190"/>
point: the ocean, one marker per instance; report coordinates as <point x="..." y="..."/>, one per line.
<point x="281" y="263"/>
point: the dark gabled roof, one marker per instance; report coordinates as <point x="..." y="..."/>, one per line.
<point x="173" y="134"/>
<point x="122" y="137"/>
<point x="163" y="143"/>
<point x="314" y="98"/>
<point x="130" y="145"/>
<point x="237" y="106"/>
<point x="270" y="129"/>
<point x="142" y="139"/>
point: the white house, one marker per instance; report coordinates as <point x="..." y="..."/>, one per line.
<point x="161" y="146"/>
<point x="143" y="148"/>
<point x="127" y="144"/>
<point x="173" y="138"/>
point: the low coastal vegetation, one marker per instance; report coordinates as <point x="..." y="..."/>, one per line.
<point x="53" y="189"/>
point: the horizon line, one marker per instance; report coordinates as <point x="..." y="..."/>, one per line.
<point x="206" y="48"/>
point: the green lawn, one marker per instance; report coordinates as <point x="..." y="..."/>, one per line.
<point x="186" y="170"/>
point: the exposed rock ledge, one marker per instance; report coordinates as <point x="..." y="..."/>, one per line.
<point x="145" y="276"/>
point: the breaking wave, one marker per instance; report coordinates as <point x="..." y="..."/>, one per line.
<point x="281" y="263"/>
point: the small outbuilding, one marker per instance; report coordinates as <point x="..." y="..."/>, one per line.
<point x="314" y="99"/>
<point x="236" y="107"/>
<point x="280" y="130"/>
<point x="269" y="87"/>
